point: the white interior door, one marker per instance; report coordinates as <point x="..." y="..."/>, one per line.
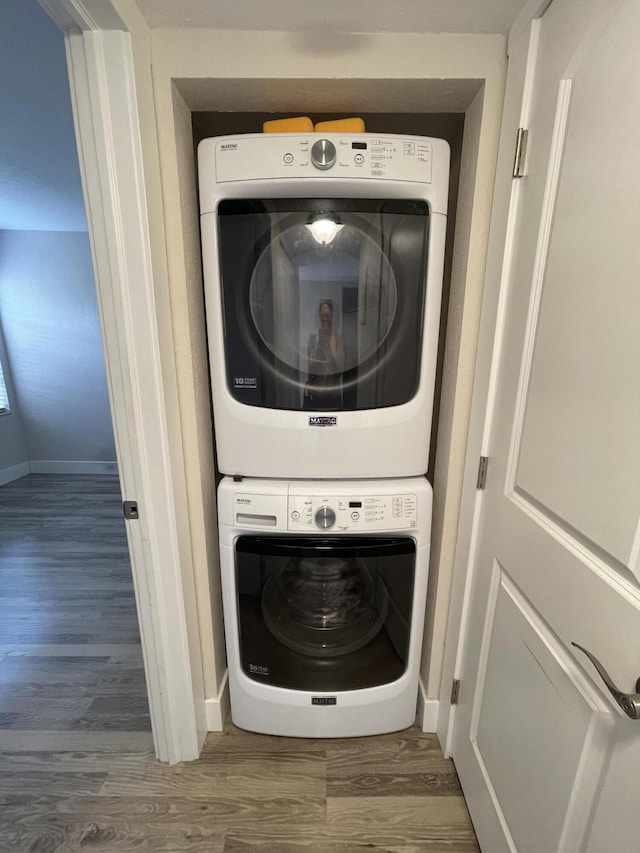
<point x="546" y="758"/>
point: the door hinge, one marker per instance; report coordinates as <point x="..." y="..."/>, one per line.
<point x="455" y="691"/>
<point x="481" y="482"/>
<point x="521" y="152"/>
<point x="130" y="509"/>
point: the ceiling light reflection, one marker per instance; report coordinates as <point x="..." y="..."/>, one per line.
<point x="324" y="230"/>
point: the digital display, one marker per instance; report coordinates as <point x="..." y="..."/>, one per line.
<point x="355" y="504"/>
<point x="362" y="146"/>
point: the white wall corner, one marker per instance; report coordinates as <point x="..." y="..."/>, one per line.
<point x="531" y="10"/>
<point x="218" y="707"/>
<point x="14" y="472"/>
<point x="427" y="710"/>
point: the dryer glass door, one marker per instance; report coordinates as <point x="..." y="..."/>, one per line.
<point x="324" y="614"/>
<point x="323" y="301"/>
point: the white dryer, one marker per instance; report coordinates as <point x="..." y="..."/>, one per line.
<point x="324" y="590"/>
<point x="323" y="263"/>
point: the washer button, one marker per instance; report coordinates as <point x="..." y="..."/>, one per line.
<point x="288" y="158"/>
<point x="358" y="159"/>
<point x="295" y="515"/>
<point x="355" y="515"/>
<point x="325" y="517"/>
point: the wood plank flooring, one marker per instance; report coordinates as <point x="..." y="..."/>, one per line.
<point x="70" y="657"/>
<point x="77" y="770"/>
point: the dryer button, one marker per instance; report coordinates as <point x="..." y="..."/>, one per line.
<point x="323" y="154"/>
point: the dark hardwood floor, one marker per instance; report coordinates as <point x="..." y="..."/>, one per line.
<point x="77" y="770"/>
<point x="70" y="658"/>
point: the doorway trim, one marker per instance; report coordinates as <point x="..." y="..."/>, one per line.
<point x="103" y="93"/>
<point x="521" y="51"/>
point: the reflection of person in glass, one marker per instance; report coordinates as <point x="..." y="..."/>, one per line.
<point x="326" y="362"/>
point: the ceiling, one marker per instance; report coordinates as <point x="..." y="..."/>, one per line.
<point x="346" y="16"/>
<point x="40" y="186"/>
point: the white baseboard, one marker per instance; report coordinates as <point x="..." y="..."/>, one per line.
<point x="427" y="711"/>
<point x="63" y="466"/>
<point x="217" y="709"/>
<point x="14" y="472"/>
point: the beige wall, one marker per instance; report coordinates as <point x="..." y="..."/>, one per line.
<point x="212" y="70"/>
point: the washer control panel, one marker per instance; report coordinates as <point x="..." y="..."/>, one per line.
<point x="263" y="156"/>
<point x="373" y="512"/>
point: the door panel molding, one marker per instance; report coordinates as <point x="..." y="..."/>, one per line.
<point x="577" y="454"/>
<point x="540" y="265"/>
<point x="607" y="566"/>
<point x="544" y="679"/>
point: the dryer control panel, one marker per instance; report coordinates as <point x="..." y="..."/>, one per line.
<point x="355" y="514"/>
<point x="268" y="156"/>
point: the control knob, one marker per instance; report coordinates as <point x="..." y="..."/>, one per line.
<point x="323" y="154"/>
<point x="325" y="517"/>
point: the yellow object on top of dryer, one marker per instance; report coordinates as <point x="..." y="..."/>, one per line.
<point x="343" y="125"/>
<point x="301" y="124"/>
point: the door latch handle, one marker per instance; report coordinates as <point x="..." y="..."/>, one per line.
<point x="629" y="702"/>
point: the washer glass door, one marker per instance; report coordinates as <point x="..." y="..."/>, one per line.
<point x="323" y="301"/>
<point x="324" y="614"/>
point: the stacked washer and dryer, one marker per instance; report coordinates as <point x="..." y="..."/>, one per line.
<point x="323" y="263"/>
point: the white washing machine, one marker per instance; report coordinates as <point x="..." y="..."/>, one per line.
<point x="324" y="590"/>
<point x="323" y="263"/>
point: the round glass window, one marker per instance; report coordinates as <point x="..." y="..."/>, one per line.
<point x="324" y="606"/>
<point x="323" y="294"/>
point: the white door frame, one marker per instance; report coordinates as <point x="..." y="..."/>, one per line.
<point x="521" y="52"/>
<point x="103" y="94"/>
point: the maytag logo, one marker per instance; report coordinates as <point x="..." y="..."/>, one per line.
<point x="229" y="146"/>
<point x="322" y="420"/>
<point x="324" y="700"/>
